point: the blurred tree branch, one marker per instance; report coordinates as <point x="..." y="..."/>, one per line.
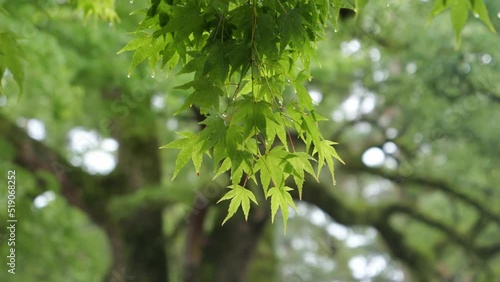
<point x="35" y="156"/>
<point x="379" y="217"/>
<point x="426" y="183"/>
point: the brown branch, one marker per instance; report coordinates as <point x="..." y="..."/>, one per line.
<point x="419" y="263"/>
<point x="35" y="156"/>
<point x="317" y="194"/>
<point x="378" y="217"/>
<point x="481" y="252"/>
<point x="427" y="220"/>
<point x="427" y="183"/>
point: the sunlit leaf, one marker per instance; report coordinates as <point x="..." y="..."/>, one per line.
<point x="239" y="196"/>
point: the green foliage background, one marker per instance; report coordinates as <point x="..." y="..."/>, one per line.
<point x="439" y="188"/>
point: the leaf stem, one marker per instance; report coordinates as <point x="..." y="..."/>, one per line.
<point x="291" y="141"/>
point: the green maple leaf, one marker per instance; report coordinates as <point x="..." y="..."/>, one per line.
<point x="10" y="58"/>
<point x="459" y="15"/>
<point x="300" y="163"/>
<point x="188" y="146"/>
<point x="271" y="168"/>
<point x="326" y="153"/>
<point x="239" y="196"/>
<point x="281" y="199"/>
<point x="480" y="9"/>
<point x="225" y="166"/>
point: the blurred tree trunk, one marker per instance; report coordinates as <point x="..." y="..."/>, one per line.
<point x="137" y="240"/>
<point x="230" y="248"/>
<point x="226" y="253"/>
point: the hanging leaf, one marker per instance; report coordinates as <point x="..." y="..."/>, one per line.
<point x="10" y="58"/>
<point x="239" y="196"/>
